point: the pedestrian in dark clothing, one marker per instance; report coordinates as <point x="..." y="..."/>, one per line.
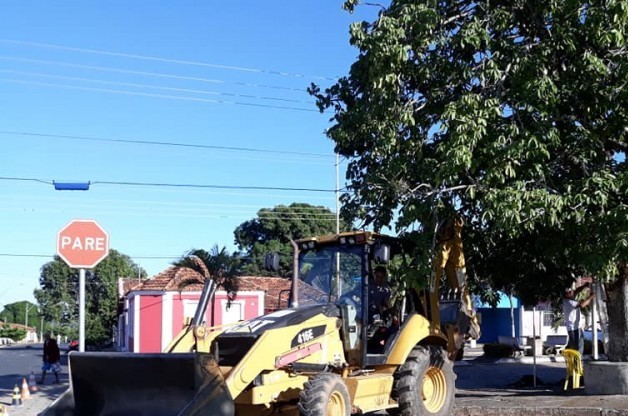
<point x="52" y="356"/>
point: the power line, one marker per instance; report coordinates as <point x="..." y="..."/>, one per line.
<point x="52" y="255"/>
<point x="178" y="185"/>
<point x="197" y="216"/>
<point x="9" y="178"/>
<point x="156" y="211"/>
<point x="160" y="143"/>
<point x="153" y="203"/>
<point x="161" y="59"/>
<point x="156" y="87"/>
<point x="152" y="74"/>
<point x="174" y="185"/>
<point x="204" y="192"/>
<point x="142" y="94"/>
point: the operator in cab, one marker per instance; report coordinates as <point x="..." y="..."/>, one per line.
<point x="379" y="295"/>
<point x="381" y="313"/>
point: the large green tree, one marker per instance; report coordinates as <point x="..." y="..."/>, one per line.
<point x="59" y="292"/>
<point x="22" y="312"/>
<point x="510" y="114"/>
<point x="273" y="228"/>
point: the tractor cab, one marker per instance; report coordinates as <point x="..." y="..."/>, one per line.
<point x="339" y="270"/>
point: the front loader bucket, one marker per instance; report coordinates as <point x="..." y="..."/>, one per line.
<point x="117" y="384"/>
<point x="212" y="396"/>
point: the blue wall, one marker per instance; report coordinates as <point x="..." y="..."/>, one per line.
<point x="495" y="322"/>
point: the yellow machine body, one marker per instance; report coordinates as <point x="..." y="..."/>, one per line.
<point x="312" y="358"/>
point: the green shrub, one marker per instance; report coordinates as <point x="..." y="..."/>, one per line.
<point x="13" y="333"/>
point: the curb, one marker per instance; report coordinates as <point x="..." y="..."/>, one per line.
<point x="530" y="360"/>
<point x="527" y="410"/>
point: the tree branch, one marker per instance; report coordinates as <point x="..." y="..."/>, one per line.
<point x="374" y="5"/>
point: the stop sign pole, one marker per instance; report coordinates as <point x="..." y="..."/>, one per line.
<point x="82" y="244"/>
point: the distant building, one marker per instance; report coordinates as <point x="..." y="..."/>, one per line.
<point x="31" y="333"/>
<point x="526" y="321"/>
<point x="152" y="312"/>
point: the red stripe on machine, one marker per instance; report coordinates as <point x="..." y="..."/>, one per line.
<point x="297" y="355"/>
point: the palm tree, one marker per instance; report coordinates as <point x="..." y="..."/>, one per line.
<point x="216" y="264"/>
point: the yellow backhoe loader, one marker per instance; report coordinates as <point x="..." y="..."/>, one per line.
<point x="329" y="353"/>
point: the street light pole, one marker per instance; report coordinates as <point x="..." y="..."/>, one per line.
<point x="337" y="195"/>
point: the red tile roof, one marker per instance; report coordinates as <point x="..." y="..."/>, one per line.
<point x="17" y="326"/>
<point x="125" y="285"/>
<point x="182" y="279"/>
<point x="174" y="278"/>
<point x="276" y="290"/>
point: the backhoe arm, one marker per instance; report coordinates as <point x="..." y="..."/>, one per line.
<point x="449" y="259"/>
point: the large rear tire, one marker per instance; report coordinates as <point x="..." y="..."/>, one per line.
<point x="325" y="394"/>
<point x="425" y="384"/>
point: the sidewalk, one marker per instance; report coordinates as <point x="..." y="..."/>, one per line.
<point x="39" y="400"/>
<point x="505" y="387"/>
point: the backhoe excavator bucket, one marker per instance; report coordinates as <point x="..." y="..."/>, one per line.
<point x="165" y="384"/>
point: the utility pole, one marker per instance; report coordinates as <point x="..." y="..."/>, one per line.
<point x="26" y="314"/>
<point x="337" y="195"/>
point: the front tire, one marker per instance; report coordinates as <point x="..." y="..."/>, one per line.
<point x="325" y="394"/>
<point x="425" y="384"/>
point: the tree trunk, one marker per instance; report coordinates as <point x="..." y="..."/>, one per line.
<point x="617" y="306"/>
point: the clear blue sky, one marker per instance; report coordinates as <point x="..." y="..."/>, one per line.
<point x="226" y="74"/>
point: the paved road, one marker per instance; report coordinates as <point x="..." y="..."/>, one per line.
<point x="16" y="363"/>
<point x="484" y="387"/>
<point x="505" y="387"/>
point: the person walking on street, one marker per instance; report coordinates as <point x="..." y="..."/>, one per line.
<point x="571" y="311"/>
<point x="52" y="356"/>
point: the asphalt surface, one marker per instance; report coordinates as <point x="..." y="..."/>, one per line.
<point x="17" y="362"/>
<point x="484" y="387"/>
<point x="506" y="387"/>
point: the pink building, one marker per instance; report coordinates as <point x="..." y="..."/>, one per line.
<point x="154" y="311"/>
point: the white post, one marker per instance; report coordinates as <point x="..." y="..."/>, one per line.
<point x="82" y="310"/>
<point x="337" y="274"/>
<point x="594" y="350"/>
<point x="337" y="196"/>
<point x="512" y="316"/>
<point x="541" y="314"/>
<point x="533" y="348"/>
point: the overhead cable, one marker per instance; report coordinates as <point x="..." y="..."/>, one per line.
<point x="154" y="87"/>
<point x="183" y="185"/>
<point x="143" y="94"/>
<point x="178" y="185"/>
<point x="160" y="143"/>
<point x="152" y="74"/>
<point x="161" y="59"/>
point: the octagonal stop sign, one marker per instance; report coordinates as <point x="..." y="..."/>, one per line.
<point x="82" y="244"/>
